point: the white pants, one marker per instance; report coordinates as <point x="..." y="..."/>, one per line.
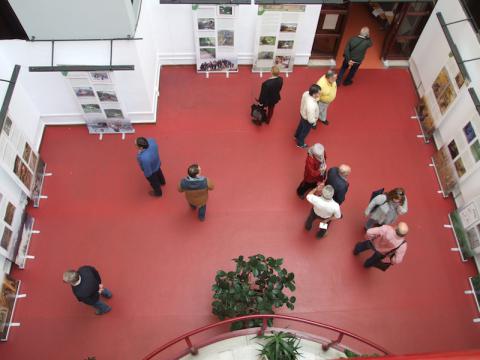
<point x="322" y="107"/>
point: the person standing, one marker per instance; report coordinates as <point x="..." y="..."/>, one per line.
<point x="324" y="208"/>
<point x="149" y="162"/>
<point x="388" y="245"/>
<point x="315" y="169"/>
<point x="328" y="84"/>
<point x="308" y="114"/>
<point x="354" y="54"/>
<point x="87" y="287"/>
<point x="337" y="177"/>
<point x="196" y="188"/>
<point x="384" y="209"/>
<point x="270" y="92"/>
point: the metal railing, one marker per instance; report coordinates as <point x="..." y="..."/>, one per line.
<point x="265" y="317"/>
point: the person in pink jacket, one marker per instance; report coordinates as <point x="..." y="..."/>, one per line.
<point x="387" y="242"/>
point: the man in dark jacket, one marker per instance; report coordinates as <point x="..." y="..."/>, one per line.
<point x="196" y="188"/>
<point x="337" y="177"/>
<point x="87" y="287"/>
<point x="149" y="162"/>
<point x="353" y="55"/>
<point x="270" y="92"/>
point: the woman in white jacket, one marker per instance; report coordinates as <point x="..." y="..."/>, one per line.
<point x="384" y="209"/>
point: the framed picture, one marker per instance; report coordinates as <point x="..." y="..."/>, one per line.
<point x="206" y="24"/>
<point x="107" y="96"/>
<point x="7" y="126"/>
<point x="84" y="92"/>
<point x="268" y="40"/>
<point x="9" y="213"/>
<point x="288" y="27"/>
<point x="206" y="41"/>
<point x="452" y="149"/>
<point x="459" y="167"/>
<point x="22" y="172"/>
<point x="285" y="44"/>
<point x="475" y="149"/>
<point x="102" y="76"/>
<point x="27" y="151"/>
<point x="6" y="238"/>
<point x="113" y="113"/>
<point x="265" y="55"/>
<point x="226" y="11"/>
<point x="225" y="37"/>
<point x="207" y="53"/>
<point x="91" y="108"/>
<point x="469" y="132"/>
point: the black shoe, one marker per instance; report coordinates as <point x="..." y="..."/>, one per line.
<point x="99" y="312"/>
<point x="326" y="122"/>
<point x="346" y="83"/>
<point x="355" y="252"/>
<point x="303" y="146"/>
<point x="153" y="193"/>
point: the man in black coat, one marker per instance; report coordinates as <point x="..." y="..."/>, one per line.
<point x="337" y="177"/>
<point x="270" y="92"/>
<point x="87" y="287"/>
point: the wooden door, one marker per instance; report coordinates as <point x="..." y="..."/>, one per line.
<point x="328" y="35"/>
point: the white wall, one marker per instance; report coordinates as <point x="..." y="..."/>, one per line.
<point x="173" y="28"/>
<point x="70" y="19"/>
<point x="430" y="55"/>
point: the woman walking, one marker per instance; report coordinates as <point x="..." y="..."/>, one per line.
<point x="384" y="209"/>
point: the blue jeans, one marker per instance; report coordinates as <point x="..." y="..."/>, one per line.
<point x="201" y="211"/>
<point x="100" y="305"/>
<point x="302" y="131"/>
<point x="351" y="73"/>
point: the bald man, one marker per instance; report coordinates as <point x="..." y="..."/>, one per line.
<point x="387" y="242"/>
<point x="337" y="177"/>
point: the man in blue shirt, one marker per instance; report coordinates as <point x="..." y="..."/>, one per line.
<point x="149" y="162"/>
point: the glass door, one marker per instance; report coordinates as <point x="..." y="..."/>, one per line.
<point x="328" y="35"/>
<point x="407" y="25"/>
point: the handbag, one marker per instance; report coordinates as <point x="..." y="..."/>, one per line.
<point x="382" y="265"/>
<point x="258" y="114"/>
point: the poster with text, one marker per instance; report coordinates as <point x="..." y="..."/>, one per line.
<point x="8" y="293"/>
<point x="276" y="36"/>
<point x="215" y="37"/>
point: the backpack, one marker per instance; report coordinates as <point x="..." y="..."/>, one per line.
<point x="258" y="113"/>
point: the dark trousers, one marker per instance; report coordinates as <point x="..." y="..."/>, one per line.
<point x="270" y="109"/>
<point x="202" y="210"/>
<point x="309" y="223"/>
<point x="351" y="73"/>
<point x="302" y="131"/>
<point x="367" y="245"/>
<point x="304" y="187"/>
<point x="156" y="180"/>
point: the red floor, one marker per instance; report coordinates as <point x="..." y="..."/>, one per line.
<point x="160" y="262"/>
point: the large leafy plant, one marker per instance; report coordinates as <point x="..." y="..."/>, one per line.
<point x="280" y="346"/>
<point x="257" y="286"/>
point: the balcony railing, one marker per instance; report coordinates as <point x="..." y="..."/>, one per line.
<point x="190" y="347"/>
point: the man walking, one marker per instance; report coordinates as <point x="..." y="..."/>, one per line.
<point x="388" y="245"/>
<point x="270" y="92"/>
<point x="324" y="208"/>
<point x="328" y="85"/>
<point x="196" y="188"/>
<point x="87" y="287"/>
<point x="308" y="114"/>
<point x="337" y="178"/>
<point x="354" y="54"/>
<point x="149" y="162"/>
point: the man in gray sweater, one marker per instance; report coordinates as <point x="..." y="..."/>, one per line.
<point x="353" y="55"/>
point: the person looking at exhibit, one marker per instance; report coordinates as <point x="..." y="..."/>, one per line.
<point x="270" y="92"/>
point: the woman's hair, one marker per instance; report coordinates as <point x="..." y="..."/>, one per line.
<point x="396" y="194"/>
<point x="275" y="70"/>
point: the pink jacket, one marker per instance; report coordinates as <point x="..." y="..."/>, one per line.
<point x="384" y="238"/>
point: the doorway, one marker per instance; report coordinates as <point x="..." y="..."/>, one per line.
<point x="394" y="28"/>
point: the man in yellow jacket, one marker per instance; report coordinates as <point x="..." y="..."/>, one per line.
<point x="328" y="93"/>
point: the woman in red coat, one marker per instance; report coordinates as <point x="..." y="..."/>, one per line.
<point x="315" y="169"/>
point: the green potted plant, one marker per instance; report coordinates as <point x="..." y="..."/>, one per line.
<point x="280" y="346"/>
<point x="258" y="285"/>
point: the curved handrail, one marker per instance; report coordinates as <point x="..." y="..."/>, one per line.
<point x="265" y="318"/>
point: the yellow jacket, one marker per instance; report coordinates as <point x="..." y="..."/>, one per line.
<point x="328" y="92"/>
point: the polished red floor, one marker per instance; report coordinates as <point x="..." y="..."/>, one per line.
<point x="160" y="262"/>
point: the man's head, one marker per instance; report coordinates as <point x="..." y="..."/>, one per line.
<point x="71" y="277"/>
<point x="365" y="32"/>
<point x="194" y="170"/>
<point x="275" y="70"/>
<point x="314" y="91"/>
<point x="141" y="143"/>
<point x="402" y="229"/>
<point x="327" y="192"/>
<point x="331" y="76"/>
<point x="344" y="170"/>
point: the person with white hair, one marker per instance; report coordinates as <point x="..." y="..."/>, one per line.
<point x="337" y="177"/>
<point x="328" y="92"/>
<point x="353" y="55"/>
<point x="324" y="208"/>
<point x="315" y="169"/>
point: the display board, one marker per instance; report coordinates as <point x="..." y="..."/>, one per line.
<point x="276" y="36"/>
<point x="24" y="236"/>
<point x="436" y="101"/>
<point x="215" y="37"/>
<point x="466" y="225"/>
<point x="8" y="296"/>
<point x="99" y="102"/>
<point x="18" y="158"/>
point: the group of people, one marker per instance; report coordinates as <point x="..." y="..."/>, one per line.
<point x="324" y="188"/>
<point x="217" y="65"/>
